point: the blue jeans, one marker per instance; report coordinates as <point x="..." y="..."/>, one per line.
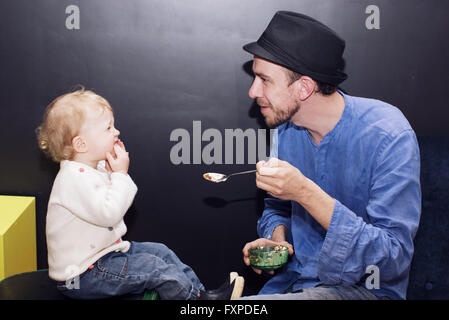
<point x="146" y="265"/>
<point x="322" y="292"/>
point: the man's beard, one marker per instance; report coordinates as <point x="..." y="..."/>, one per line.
<point x="280" y="116"/>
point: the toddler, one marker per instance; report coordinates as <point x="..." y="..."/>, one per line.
<point x="87" y="257"/>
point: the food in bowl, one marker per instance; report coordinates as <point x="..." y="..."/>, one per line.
<point x="268" y="257"/>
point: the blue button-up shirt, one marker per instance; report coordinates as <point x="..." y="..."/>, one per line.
<point x="370" y="164"/>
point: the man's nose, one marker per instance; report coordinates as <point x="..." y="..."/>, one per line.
<point x="256" y="90"/>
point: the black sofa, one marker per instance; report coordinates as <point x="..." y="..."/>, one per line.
<point x="429" y="276"/>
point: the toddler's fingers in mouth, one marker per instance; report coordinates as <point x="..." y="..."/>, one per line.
<point x="121" y="144"/>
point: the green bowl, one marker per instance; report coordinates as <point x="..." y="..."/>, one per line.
<point x="268" y="257"/>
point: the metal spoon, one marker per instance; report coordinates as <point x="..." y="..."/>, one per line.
<point x="219" y="177"/>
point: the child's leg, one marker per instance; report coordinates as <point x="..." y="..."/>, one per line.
<point x="172" y="272"/>
<point x="144" y="266"/>
<point x="232" y="288"/>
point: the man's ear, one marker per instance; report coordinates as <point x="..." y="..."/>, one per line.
<point x="79" y="144"/>
<point x="305" y="87"/>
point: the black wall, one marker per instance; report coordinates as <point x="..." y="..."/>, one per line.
<point x="163" y="64"/>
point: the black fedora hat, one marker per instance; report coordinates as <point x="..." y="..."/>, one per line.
<point x="304" y="45"/>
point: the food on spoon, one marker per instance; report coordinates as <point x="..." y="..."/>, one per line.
<point x="214" y="177"/>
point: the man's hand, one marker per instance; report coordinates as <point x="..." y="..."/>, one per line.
<point x="283" y="181"/>
<point x="280" y="179"/>
<point x="119" y="162"/>
<point x="263" y="242"/>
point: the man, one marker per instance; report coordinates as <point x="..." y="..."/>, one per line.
<point x="345" y="192"/>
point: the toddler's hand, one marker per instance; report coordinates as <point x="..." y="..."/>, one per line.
<point x="120" y="163"/>
<point x="120" y="143"/>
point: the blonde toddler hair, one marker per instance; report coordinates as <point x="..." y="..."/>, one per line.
<point x="63" y="119"/>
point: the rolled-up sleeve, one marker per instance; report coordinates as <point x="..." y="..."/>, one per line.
<point x="277" y="212"/>
<point x="385" y="237"/>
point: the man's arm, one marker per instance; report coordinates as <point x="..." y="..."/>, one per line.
<point x="386" y="238"/>
<point x="284" y="181"/>
<point x="278" y="238"/>
<point x="272" y="227"/>
<point x="352" y="244"/>
<point x="280" y="233"/>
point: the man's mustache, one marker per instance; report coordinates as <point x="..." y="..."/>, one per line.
<point x="263" y="104"/>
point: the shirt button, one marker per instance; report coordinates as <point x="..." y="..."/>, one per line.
<point x="110" y="228"/>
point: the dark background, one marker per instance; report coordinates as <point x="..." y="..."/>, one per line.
<point x="163" y="64"/>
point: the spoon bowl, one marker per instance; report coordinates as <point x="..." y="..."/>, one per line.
<point x="215" y="177"/>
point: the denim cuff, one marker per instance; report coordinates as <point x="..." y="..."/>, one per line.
<point x="194" y="293"/>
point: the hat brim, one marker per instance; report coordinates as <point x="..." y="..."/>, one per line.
<point x="255" y="49"/>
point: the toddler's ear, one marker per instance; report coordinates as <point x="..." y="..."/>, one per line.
<point x="79" y="145"/>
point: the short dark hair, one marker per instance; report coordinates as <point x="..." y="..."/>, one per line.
<point x="325" y="89"/>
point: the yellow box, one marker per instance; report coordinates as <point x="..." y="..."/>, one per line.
<point x="17" y="235"/>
